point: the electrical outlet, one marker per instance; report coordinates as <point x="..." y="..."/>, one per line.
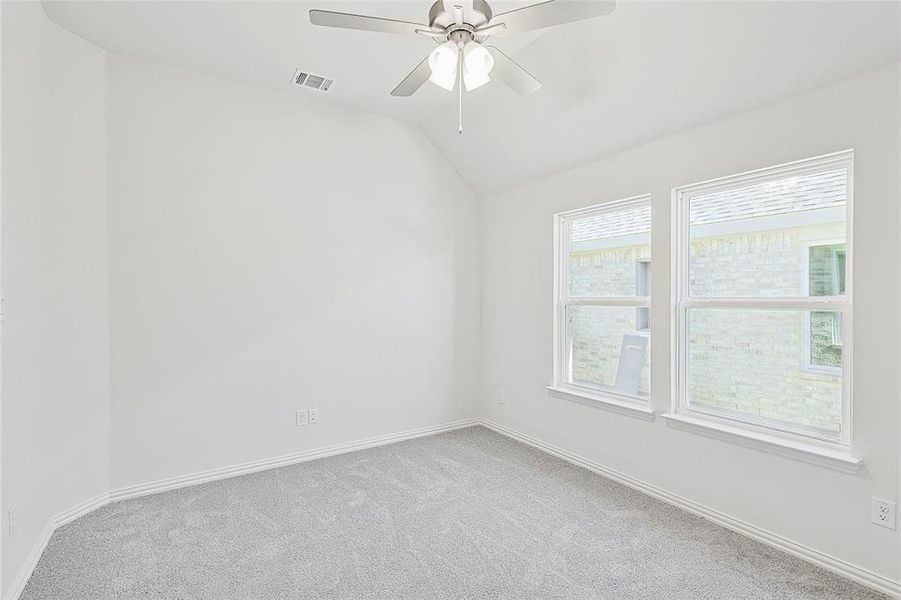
<point x="11" y="522"/>
<point x="301" y="418"/>
<point x="501" y="397"/>
<point x="882" y="512"/>
<point x="314" y="416"/>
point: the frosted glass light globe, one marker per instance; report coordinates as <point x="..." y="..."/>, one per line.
<point x="443" y="63"/>
<point x="477" y="64"/>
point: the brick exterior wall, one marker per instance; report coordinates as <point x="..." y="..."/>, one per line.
<point x="756" y="362"/>
<point x="598" y="331"/>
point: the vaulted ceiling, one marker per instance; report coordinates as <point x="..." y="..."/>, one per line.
<point x="647" y="70"/>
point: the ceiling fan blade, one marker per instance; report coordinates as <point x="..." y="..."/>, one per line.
<point x="490" y="29"/>
<point x="412" y="82"/>
<point x="441" y="36"/>
<point x="508" y="70"/>
<point x="328" y="18"/>
<point x="550" y="13"/>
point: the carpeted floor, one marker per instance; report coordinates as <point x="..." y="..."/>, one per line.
<point x="467" y="514"/>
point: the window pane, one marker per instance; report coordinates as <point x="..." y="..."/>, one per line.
<point x="752" y="362"/>
<point x="826" y="270"/>
<point x="826" y="340"/>
<point x="753" y="240"/>
<point x="607" y="352"/>
<point x="606" y="252"/>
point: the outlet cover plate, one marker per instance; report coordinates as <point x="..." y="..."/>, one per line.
<point x="882" y="512"/>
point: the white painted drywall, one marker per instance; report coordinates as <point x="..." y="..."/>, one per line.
<point x="824" y="509"/>
<point x="270" y="253"/>
<point x="55" y="387"/>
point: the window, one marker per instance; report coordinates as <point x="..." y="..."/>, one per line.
<point x="825" y="276"/>
<point x="763" y="292"/>
<point x="602" y="304"/>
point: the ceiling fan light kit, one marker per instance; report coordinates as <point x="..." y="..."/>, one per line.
<point x="477" y="64"/>
<point x="443" y="63"/>
<point x="460" y="27"/>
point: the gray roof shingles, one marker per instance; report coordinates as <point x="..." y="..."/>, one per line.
<point x="799" y="193"/>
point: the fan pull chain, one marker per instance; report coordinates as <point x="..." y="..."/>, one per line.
<point x="460" y="89"/>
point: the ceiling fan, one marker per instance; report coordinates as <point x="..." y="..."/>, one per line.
<point x="460" y="28"/>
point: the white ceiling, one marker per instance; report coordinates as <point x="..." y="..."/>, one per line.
<point x="262" y="43"/>
<point x="649" y="69"/>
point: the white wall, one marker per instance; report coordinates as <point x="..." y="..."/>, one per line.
<point x="269" y="252"/>
<point x="55" y="386"/>
<point x="824" y="509"/>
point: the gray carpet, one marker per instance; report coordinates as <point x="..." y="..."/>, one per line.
<point x="467" y="514"/>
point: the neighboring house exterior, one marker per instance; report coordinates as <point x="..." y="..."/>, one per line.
<point x="779" y="239"/>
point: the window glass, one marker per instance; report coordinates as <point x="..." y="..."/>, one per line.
<point x="826" y="277"/>
<point x="826" y="270"/>
<point x="604" y="249"/>
<point x="748" y="363"/>
<point x="606" y="350"/>
<point x="749" y="240"/>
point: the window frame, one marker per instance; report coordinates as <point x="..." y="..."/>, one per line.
<point x="740" y="423"/>
<point x="562" y="301"/>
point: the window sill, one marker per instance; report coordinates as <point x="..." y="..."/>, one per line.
<point x="632" y="408"/>
<point x="836" y="459"/>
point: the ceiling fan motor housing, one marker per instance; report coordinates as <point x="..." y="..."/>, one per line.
<point x="440" y="18"/>
<point x="461" y="35"/>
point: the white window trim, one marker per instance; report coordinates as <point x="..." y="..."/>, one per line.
<point x="560" y="388"/>
<point x="806" y="364"/>
<point x="837" y="459"/>
<point x="626" y="405"/>
<point x="831" y="450"/>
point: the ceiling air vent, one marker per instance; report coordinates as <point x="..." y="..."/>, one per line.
<point x="308" y="80"/>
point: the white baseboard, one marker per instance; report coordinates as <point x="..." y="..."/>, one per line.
<point x="83" y="508"/>
<point x="830" y="563"/>
<point x="57" y="521"/>
<point x="79" y="510"/>
<point x="31" y="562"/>
<point x="172" y="483"/>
